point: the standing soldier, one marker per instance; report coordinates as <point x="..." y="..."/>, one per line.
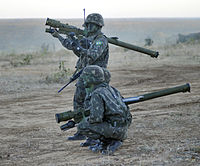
<point x="92" y="50"/>
<point x="109" y="116"/>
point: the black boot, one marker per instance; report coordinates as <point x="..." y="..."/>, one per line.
<point x="101" y="146"/>
<point x="97" y="147"/>
<point x="77" y="136"/>
<point x="89" y="142"/>
<point x="112" y="147"/>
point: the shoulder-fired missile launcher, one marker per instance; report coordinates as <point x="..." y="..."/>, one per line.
<point x="78" y="115"/>
<point x="66" y="29"/>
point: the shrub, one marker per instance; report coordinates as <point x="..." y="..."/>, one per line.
<point x="60" y="76"/>
<point x="21" y="59"/>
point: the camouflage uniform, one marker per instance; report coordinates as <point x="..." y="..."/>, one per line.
<point x="92" y="50"/>
<point x="109" y="116"/>
<point x="95" y="52"/>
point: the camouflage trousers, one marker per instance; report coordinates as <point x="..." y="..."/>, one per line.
<point x="79" y="96"/>
<point x="102" y="130"/>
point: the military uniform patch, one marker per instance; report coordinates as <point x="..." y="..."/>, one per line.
<point x="99" y="43"/>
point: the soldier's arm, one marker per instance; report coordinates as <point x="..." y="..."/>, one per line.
<point x="96" y="109"/>
<point x="84" y="44"/>
<point x="95" y="50"/>
<point x="67" y="43"/>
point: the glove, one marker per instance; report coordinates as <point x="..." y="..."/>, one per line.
<point x="76" y="46"/>
<point x="74" y="43"/>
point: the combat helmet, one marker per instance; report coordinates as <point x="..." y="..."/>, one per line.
<point x="93" y="74"/>
<point x="94" y="18"/>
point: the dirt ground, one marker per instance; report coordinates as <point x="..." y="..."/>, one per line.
<point x="165" y="131"/>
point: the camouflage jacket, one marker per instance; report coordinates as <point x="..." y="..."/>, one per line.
<point x="106" y="105"/>
<point x="97" y="53"/>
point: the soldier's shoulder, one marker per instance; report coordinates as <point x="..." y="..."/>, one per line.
<point x="100" y="90"/>
<point x="101" y="37"/>
<point x="101" y="40"/>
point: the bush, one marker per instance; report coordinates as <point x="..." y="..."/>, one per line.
<point x="21" y="59"/>
<point x="60" y="76"/>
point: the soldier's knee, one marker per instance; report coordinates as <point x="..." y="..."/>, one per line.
<point x="83" y="125"/>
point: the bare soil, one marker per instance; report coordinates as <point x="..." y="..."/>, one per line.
<point x="165" y="131"/>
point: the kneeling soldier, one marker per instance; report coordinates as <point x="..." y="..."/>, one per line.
<point x="109" y="116"/>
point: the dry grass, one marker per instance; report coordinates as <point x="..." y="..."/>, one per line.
<point x="164" y="131"/>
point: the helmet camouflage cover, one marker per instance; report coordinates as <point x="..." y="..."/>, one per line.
<point x="93" y="74"/>
<point x="94" y="18"/>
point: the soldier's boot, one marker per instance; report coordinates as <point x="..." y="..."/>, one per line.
<point x="112" y="147"/>
<point x="76" y="136"/>
<point x="89" y="142"/>
<point x="98" y="147"/>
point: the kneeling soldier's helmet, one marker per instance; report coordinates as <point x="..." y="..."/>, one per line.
<point x="94" y="18"/>
<point x="93" y="74"/>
